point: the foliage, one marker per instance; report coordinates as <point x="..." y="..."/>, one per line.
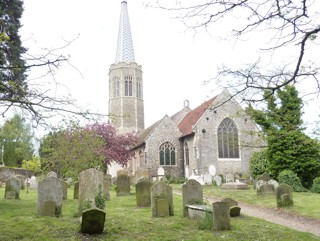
<point x="291" y="178"/>
<point x="288" y="147"/>
<point x="34" y="165"/>
<point x="287" y="32"/>
<point x="206" y="222"/>
<point x="316" y="185"/>
<point x="100" y="200"/>
<point x="175" y="180"/>
<point x="258" y="164"/>
<point x="16" y="141"/>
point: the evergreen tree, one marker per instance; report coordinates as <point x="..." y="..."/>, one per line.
<point x="288" y="147"/>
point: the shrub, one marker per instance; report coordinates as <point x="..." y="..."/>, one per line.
<point x="291" y="178"/>
<point x="316" y="185"/>
<point x="258" y="164"/>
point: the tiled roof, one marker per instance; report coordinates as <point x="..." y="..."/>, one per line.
<point x="185" y="126"/>
<point x="125" y="52"/>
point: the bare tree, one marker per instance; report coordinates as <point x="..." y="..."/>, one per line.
<point x="290" y="27"/>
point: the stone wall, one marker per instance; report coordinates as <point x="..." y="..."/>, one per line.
<point x="7" y="172"/>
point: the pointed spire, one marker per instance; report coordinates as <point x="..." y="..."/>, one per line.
<point x="125" y="52"/>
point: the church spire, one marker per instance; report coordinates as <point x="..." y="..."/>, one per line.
<point x="125" y="52"/>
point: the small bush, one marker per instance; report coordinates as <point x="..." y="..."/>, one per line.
<point x="291" y="178"/>
<point x="316" y="185"/>
<point x="100" y="199"/>
<point x="258" y="164"/>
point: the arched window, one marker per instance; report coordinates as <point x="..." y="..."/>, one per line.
<point x="186" y="154"/>
<point x="167" y="154"/>
<point x="116" y="87"/>
<point x="228" y="139"/>
<point x="128" y="86"/>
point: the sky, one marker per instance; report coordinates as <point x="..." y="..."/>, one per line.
<point x="175" y="62"/>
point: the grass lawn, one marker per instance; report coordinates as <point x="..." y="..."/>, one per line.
<point x="124" y="221"/>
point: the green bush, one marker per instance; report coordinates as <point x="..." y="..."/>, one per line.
<point x="316" y="185"/>
<point x="291" y="178"/>
<point x="258" y="164"/>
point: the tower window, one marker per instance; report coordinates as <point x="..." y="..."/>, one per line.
<point x="167" y="154"/>
<point x="128" y="86"/>
<point x="228" y="139"/>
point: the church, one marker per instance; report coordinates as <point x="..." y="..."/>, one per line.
<point x="217" y="137"/>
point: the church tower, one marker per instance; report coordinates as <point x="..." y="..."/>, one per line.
<point x="126" y="107"/>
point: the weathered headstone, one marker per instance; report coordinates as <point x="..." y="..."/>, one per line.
<point x="76" y="190"/>
<point x="143" y="193"/>
<point x="192" y="193"/>
<point x="91" y="183"/>
<point x="92" y="221"/>
<point x="123" y="185"/>
<point x="52" y="174"/>
<point x="284" y="195"/>
<point x="221" y="216"/>
<point x="229" y="178"/>
<point x="218" y="180"/>
<point x="265" y="189"/>
<point x="207" y="178"/>
<point x="141" y="174"/>
<point x="50" y="189"/>
<point x="160" y="173"/>
<point x="161" y="190"/>
<point x="266" y="177"/>
<point x="13" y="184"/>
<point x="34" y="183"/>
<point x="107" y="185"/>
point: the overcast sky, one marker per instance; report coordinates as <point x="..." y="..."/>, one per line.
<point x="175" y="63"/>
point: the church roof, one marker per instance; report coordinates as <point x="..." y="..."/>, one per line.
<point x="186" y="124"/>
<point x="125" y="52"/>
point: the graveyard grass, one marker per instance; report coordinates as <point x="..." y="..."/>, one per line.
<point x="124" y="221"/>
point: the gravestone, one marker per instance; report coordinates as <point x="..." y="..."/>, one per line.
<point x="33" y="183"/>
<point x="92" y="221"/>
<point x="76" y="190"/>
<point x="52" y="174"/>
<point x="212" y="170"/>
<point x="161" y="190"/>
<point x="50" y="189"/>
<point x="143" y="193"/>
<point x="90" y="185"/>
<point x="207" y="179"/>
<point x="13" y="186"/>
<point x="284" y="195"/>
<point x="22" y="179"/>
<point x="107" y="186"/>
<point x="221" y="216"/>
<point x="123" y="185"/>
<point x="266" y="177"/>
<point x="160" y="173"/>
<point x="192" y="193"/>
<point x="229" y="178"/>
<point x="65" y="190"/>
<point x="265" y="189"/>
<point x="218" y="180"/>
<point x="274" y="183"/>
<point x="141" y="174"/>
<point x="233" y="206"/>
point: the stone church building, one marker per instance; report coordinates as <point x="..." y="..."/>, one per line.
<point x="215" y="137"/>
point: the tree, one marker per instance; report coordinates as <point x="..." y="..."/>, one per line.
<point x="16" y="141"/>
<point x="16" y="90"/>
<point x="288" y="147"/>
<point x="70" y="150"/>
<point x="290" y="27"/>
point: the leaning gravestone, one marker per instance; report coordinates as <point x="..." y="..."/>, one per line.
<point x="284" y="195"/>
<point x="92" y="221"/>
<point x="143" y="193"/>
<point x="161" y="200"/>
<point x="12" y="190"/>
<point x="229" y="178"/>
<point x="221" y="216"/>
<point x="123" y="185"/>
<point x="50" y="189"/>
<point x="90" y="185"/>
<point x="218" y="180"/>
<point x="192" y="193"/>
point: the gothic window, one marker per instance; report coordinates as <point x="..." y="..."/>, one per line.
<point x="167" y="154"/>
<point x="128" y="86"/>
<point x="139" y="89"/>
<point x="186" y="154"/>
<point x="116" y="87"/>
<point x="228" y="139"/>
